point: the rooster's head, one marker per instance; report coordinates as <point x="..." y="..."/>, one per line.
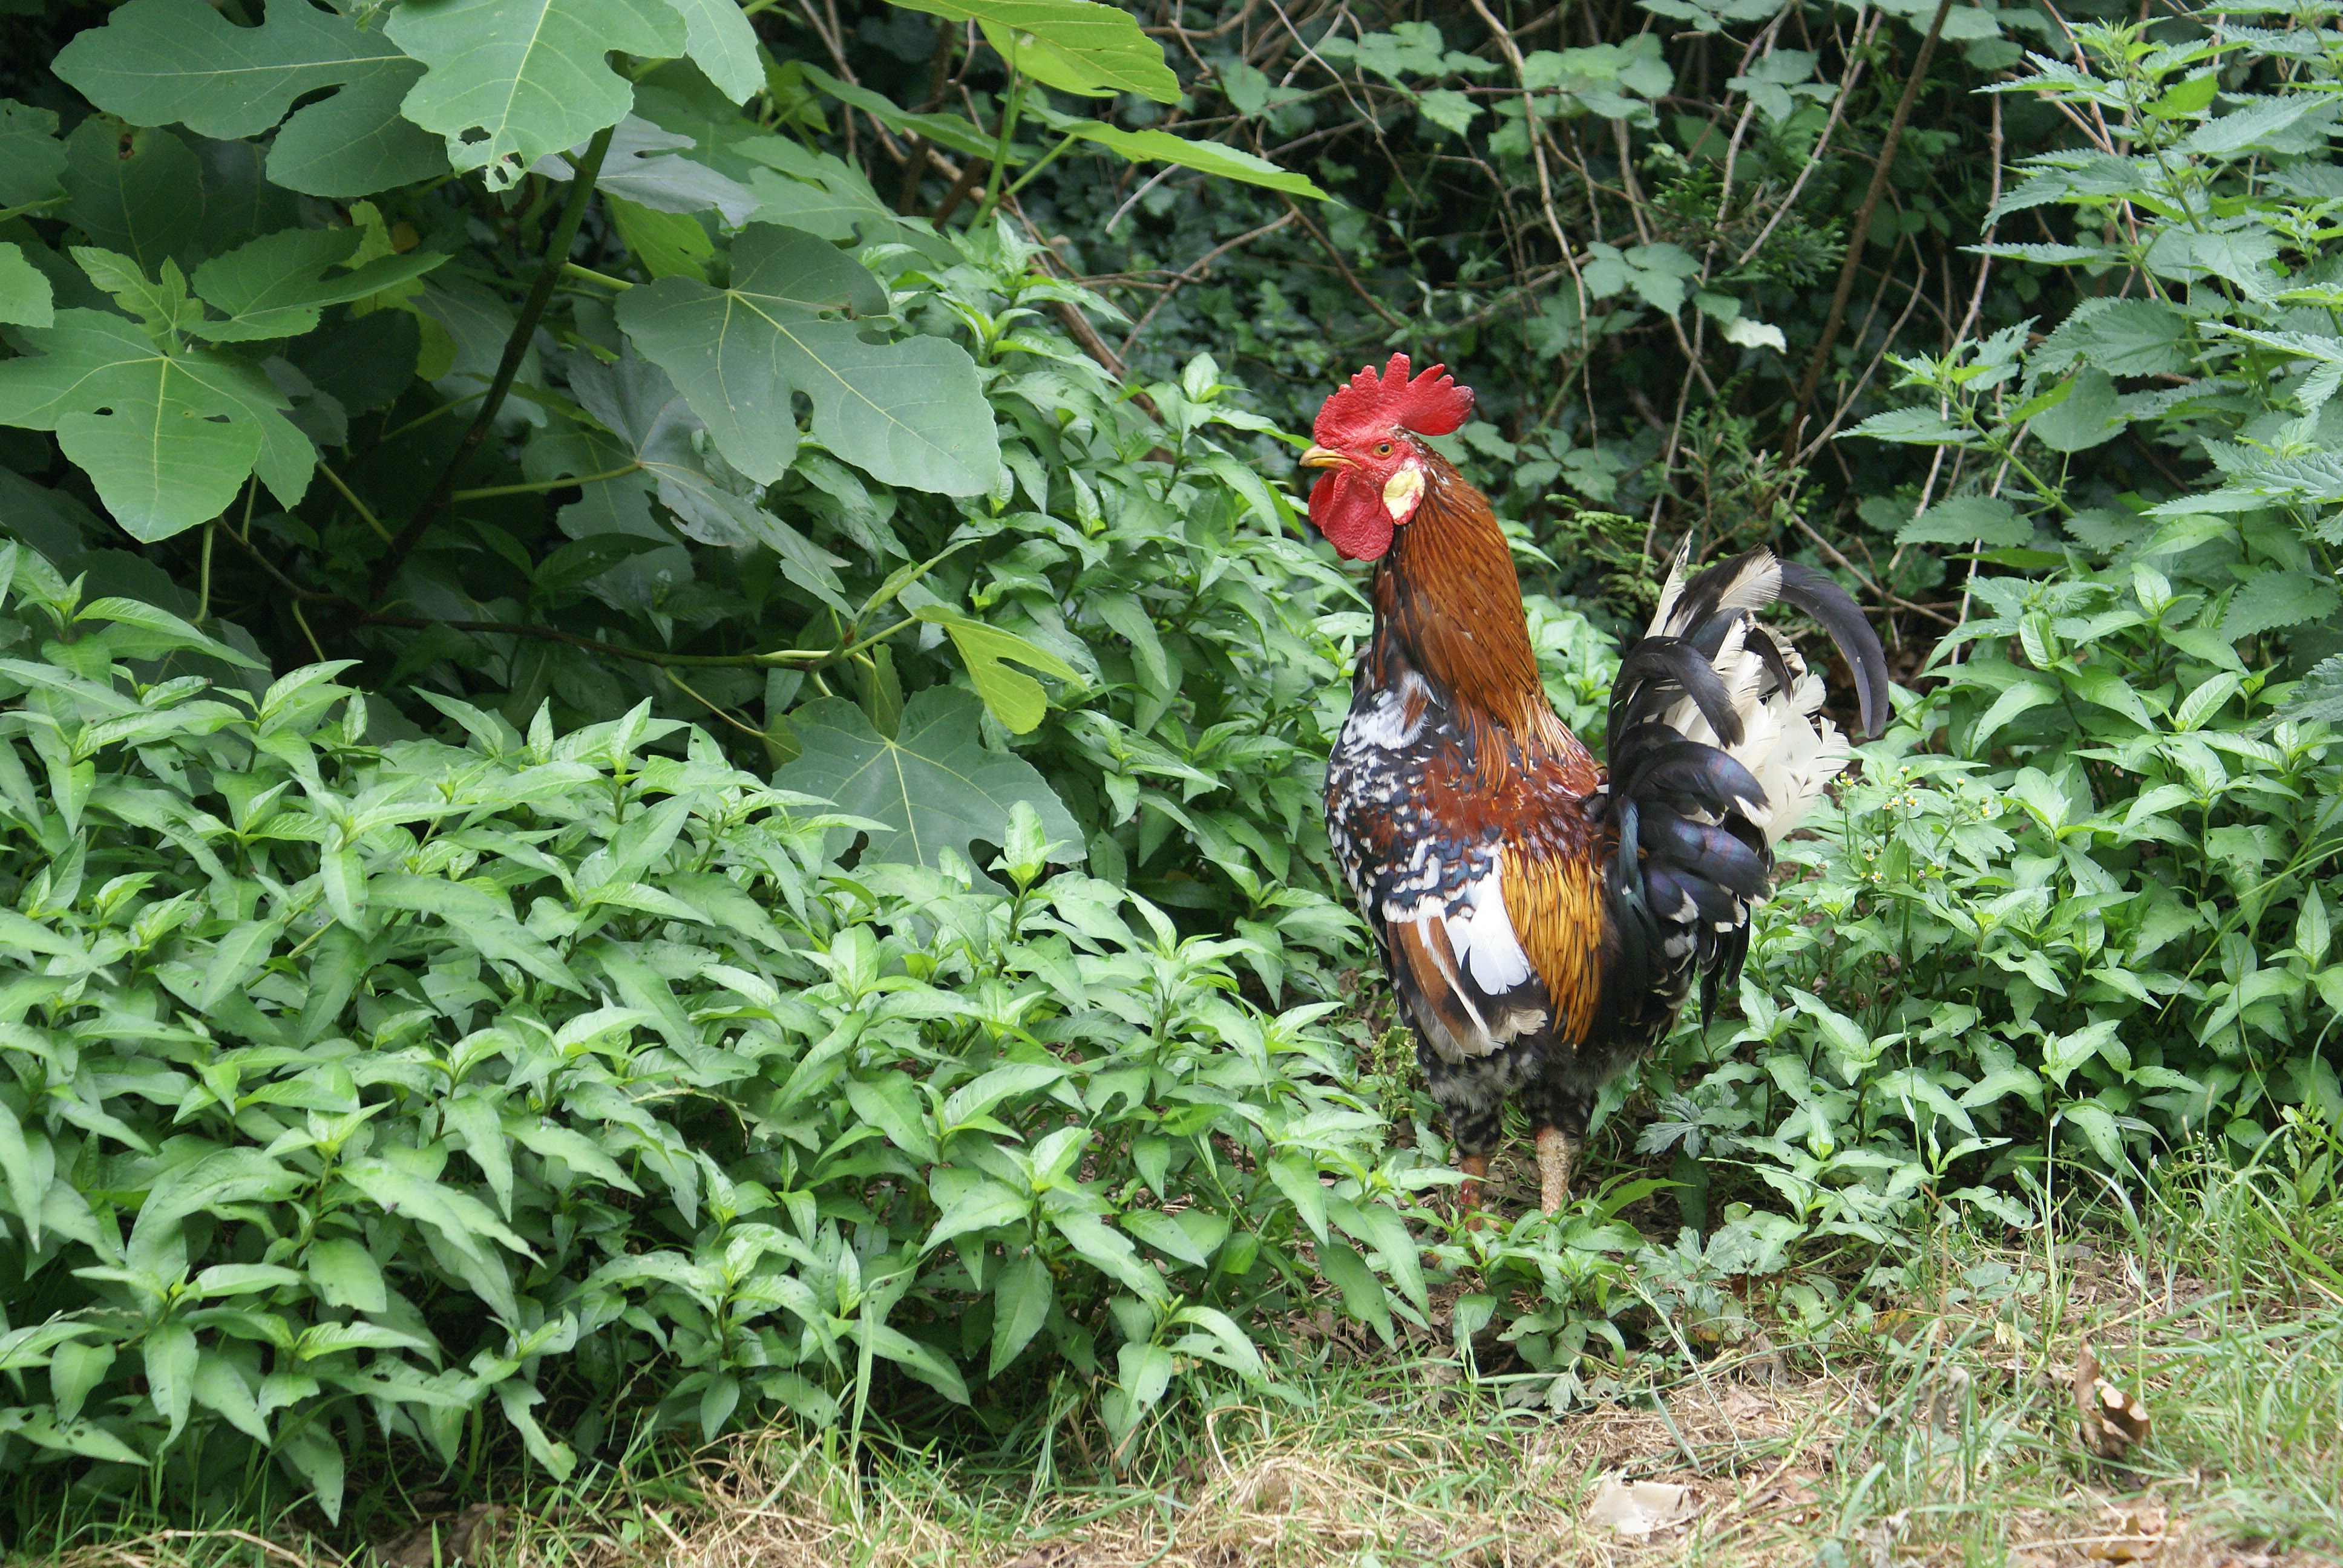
<point x="1366" y="439"/>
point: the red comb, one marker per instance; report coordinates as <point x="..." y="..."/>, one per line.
<point x="1369" y="405"/>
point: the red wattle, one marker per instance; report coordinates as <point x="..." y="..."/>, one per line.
<point x="1351" y="516"/>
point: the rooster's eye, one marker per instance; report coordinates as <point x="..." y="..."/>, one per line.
<point x="1382" y="449"/>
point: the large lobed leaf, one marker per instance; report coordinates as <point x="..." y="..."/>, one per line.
<point x="934" y="786"/>
<point x="180" y="62"/>
<point x="910" y="412"/>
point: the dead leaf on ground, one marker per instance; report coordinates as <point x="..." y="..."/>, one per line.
<point x="1640" y="1507"/>
<point x="2133" y="1536"/>
<point x="2112" y="1420"/>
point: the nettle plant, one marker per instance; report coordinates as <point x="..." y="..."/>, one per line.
<point x="2078" y="906"/>
<point x="351" y="1093"/>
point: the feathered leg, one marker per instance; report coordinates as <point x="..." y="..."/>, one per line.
<point x="1569" y="1103"/>
<point x="1472" y="1094"/>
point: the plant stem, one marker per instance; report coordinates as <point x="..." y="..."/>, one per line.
<point x="571" y="269"/>
<point x="538" y="486"/>
<point x="1858" y="233"/>
<point x="1000" y="157"/>
<point x="351" y="496"/>
<point x="557" y="257"/>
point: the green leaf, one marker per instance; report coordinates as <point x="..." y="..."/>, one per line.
<point x="2086" y="418"/>
<point x="163" y="62"/>
<point x="933" y="788"/>
<point x="893" y="1103"/>
<point x="74" y="1369"/>
<point x="1016" y="699"/>
<point x="310" y="1454"/>
<point x="31" y="156"/>
<point x="344" y="1274"/>
<point x="1144" y="1372"/>
<point x="171" y="1356"/>
<point x="950" y="132"/>
<point x="24" y="294"/>
<point x="910" y="413"/>
<point x="509" y="81"/>
<point x="2273" y="600"/>
<point x="982" y="1207"/>
<point x="275" y="287"/>
<point x="180" y="430"/>
<point x="1214" y="159"/>
<point x="1073" y="45"/>
<point x="1363" y="1294"/>
<point x="663" y="244"/>
<point x="1021" y="1300"/>
<point x="1963" y="519"/>
<point x="219" y="1386"/>
<point x="721" y="43"/>
<point x="140" y="192"/>
<point x="551" y="1139"/>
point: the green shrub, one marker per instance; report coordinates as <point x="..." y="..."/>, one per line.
<point x="353" y="1089"/>
<point x="2077" y="909"/>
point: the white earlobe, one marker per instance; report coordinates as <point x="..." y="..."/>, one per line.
<point x="1401" y="491"/>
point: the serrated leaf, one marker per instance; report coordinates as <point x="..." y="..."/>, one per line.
<point x="1966" y="520"/>
<point x="181" y="429"/>
<point x="934" y="787"/>
<point x="2277" y="599"/>
<point x="1073" y="45"/>
<point x="508" y="81"/>
<point x="277" y="286"/>
<point x="910" y="413"/>
<point x="165" y="62"/>
<point x="2086" y="418"/>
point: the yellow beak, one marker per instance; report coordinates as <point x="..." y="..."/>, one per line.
<point x="1322" y="457"/>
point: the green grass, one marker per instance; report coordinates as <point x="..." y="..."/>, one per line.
<point x="1930" y="1422"/>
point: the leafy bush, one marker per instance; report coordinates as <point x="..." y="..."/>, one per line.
<point x="356" y="1089"/>
<point x="2077" y="909"/>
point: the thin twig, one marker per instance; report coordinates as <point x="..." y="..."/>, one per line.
<point x="1858" y="232"/>
<point x="557" y="253"/>
<point x="1335" y="255"/>
<point x="1814" y="160"/>
<point x="1197" y="270"/>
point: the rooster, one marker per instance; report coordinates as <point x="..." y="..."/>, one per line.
<point x="1541" y="919"/>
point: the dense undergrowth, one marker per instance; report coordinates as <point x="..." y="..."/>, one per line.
<point x="643" y="805"/>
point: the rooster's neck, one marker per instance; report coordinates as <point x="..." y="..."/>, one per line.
<point x="1448" y="604"/>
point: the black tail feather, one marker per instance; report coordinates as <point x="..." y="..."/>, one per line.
<point x="1803" y="588"/>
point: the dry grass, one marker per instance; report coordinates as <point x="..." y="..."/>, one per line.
<point x="1936" y="1431"/>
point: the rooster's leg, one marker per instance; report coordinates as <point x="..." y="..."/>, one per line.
<point x="1555" y="1150"/>
<point x="1468" y="1195"/>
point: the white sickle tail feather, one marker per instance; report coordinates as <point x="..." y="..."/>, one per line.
<point x="1717" y="749"/>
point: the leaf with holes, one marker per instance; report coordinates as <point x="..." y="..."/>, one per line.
<point x="910" y="413"/>
<point x="167" y="436"/>
<point x="512" y="80"/>
<point x="180" y="62"/>
<point x="935" y="786"/>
